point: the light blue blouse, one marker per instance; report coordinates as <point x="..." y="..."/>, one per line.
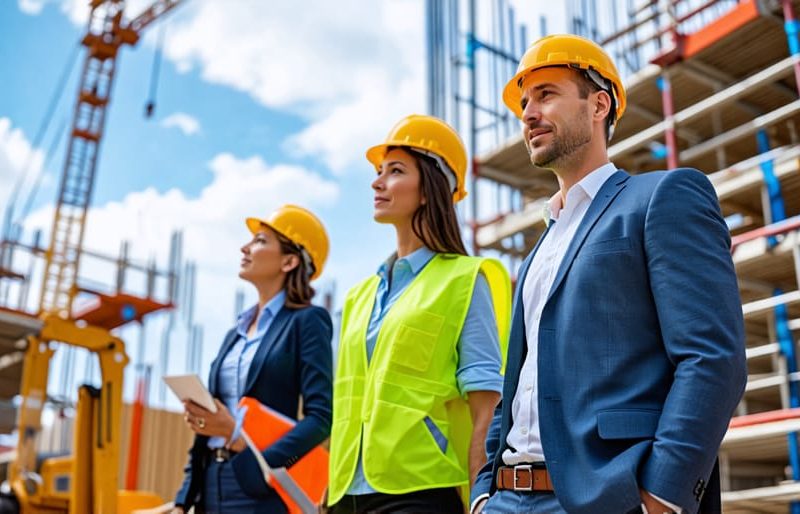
<point x="236" y="364"/>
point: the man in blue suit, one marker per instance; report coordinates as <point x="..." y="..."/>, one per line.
<point x="626" y="354"/>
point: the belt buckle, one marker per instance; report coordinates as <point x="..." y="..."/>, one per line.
<point x="220" y="455"/>
<point x="523" y="467"/>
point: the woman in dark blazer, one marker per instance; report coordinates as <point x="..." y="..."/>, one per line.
<point x="279" y="352"/>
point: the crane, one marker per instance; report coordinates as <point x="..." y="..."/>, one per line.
<point x="86" y="481"/>
<point x="107" y="32"/>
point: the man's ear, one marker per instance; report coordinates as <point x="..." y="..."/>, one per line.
<point x="602" y="105"/>
<point x="290" y="262"/>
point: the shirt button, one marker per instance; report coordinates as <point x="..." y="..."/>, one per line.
<point x="529" y="387"/>
<point x="524" y="431"/>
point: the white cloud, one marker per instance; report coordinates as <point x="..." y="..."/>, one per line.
<point x="32" y="7"/>
<point x="351" y="76"/>
<point x="344" y="134"/>
<point x="77" y="10"/>
<point x="16" y="157"/>
<point x="187" y="124"/>
<point x="213" y="221"/>
<point x="213" y="227"/>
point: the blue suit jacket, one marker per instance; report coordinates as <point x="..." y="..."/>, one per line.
<point x="641" y="349"/>
<point x="294" y="359"/>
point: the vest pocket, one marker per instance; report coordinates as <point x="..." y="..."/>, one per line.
<point x="400" y="449"/>
<point x="416" y="340"/>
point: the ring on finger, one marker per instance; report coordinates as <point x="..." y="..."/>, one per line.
<point x="201" y="423"/>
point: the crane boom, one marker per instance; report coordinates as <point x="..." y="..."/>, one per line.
<point x="106" y="33"/>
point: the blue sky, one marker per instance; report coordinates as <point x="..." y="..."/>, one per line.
<point x="256" y="107"/>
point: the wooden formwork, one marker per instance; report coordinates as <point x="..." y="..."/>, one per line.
<point x="165" y="443"/>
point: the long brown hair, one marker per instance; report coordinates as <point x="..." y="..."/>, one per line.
<point x="435" y="221"/>
<point x="297" y="283"/>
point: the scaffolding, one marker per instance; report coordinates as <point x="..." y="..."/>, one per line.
<point x="711" y="85"/>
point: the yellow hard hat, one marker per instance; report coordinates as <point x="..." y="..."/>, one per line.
<point x="430" y="136"/>
<point x="300" y="227"/>
<point x="566" y="50"/>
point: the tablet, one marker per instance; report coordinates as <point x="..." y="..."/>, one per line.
<point x="190" y="387"/>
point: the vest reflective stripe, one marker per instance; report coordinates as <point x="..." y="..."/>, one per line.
<point x="403" y="410"/>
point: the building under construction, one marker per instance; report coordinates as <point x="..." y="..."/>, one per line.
<point x="711" y="85"/>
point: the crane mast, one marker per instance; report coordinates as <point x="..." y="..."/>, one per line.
<point x="107" y="32"/>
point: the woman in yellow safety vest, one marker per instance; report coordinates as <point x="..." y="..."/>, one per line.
<point x="422" y="340"/>
<point x="279" y="351"/>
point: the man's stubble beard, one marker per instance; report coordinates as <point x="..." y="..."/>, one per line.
<point x="562" y="149"/>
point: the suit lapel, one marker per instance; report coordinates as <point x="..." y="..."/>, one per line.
<point x="230" y="338"/>
<point x="605" y="196"/>
<point x="273" y="335"/>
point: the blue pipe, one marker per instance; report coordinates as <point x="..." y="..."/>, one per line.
<point x="472" y="45"/>
<point x="786" y="346"/>
<point x="776" y="204"/>
<point x="792" y="28"/>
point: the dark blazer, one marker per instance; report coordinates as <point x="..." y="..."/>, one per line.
<point x="641" y="349"/>
<point x="294" y="359"/>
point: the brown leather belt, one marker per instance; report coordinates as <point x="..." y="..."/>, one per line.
<point x="222" y="454"/>
<point x="523" y="478"/>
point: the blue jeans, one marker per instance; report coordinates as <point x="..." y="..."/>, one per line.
<point x="506" y="502"/>
<point x="224" y="496"/>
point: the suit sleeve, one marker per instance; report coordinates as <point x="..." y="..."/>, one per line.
<point x="694" y="287"/>
<point x="315" y="362"/>
<point x="483" y="482"/>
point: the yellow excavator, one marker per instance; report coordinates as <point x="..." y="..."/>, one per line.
<point x="85" y="482"/>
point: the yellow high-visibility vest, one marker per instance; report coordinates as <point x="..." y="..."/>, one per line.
<point x="389" y="410"/>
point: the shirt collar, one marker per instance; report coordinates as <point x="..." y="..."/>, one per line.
<point x="272" y="307"/>
<point x="589" y="185"/>
<point x="416" y="260"/>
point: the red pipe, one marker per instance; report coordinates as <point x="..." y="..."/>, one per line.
<point x="132" y="472"/>
<point x="764" y="417"/>
<point x="774" y="229"/>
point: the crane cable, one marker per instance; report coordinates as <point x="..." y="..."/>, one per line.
<point x="150" y="106"/>
<point x="43" y="127"/>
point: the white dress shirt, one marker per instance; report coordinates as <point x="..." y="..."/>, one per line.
<point x="524" y="435"/>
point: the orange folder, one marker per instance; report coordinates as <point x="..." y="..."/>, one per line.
<point x="265" y="426"/>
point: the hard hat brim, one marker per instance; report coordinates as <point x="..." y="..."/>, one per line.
<point x="512" y="92"/>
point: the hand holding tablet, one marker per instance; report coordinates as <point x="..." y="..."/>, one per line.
<point x="190" y="387"/>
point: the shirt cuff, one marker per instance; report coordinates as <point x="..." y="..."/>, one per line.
<point x="672" y="506"/>
<point x="476" y="501"/>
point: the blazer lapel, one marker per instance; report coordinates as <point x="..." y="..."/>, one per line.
<point x="213" y="374"/>
<point x="273" y="335"/>
<point x="605" y="196"/>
